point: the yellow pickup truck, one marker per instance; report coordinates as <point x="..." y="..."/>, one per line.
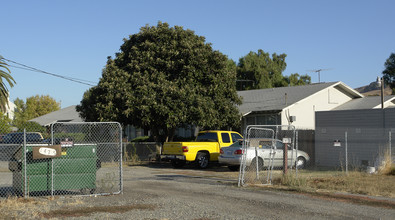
<point x="202" y="151"/>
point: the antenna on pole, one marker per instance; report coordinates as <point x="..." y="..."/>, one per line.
<point x="319" y="73"/>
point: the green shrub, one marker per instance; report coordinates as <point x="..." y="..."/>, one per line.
<point x="31" y="126"/>
<point x="143" y="139"/>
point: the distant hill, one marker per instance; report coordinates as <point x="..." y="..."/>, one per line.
<point x="373" y="89"/>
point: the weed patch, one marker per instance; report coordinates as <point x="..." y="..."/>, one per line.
<point x="355" y="182"/>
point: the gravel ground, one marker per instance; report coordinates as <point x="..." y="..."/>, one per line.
<point x="160" y="192"/>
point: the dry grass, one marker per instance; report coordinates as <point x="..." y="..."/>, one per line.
<point x="336" y="181"/>
<point x="357" y="182"/>
<point x="14" y="207"/>
<point x="32" y="208"/>
<point x="51" y="207"/>
<point x="386" y="167"/>
<point x="131" y="158"/>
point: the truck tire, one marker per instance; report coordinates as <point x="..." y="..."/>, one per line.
<point x="177" y="163"/>
<point x="202" y="160"/>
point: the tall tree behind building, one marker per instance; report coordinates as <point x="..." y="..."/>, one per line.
<point x="260" y="70"/>
<point x="34" y="107"/>
<point x="389" y="72"/>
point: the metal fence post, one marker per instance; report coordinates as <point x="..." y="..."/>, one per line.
<point x="297" y="148"/>
<point x="120" y="161"/>
<point x="346" y="152"/>
<point x="25" y="161"/>
<point x="389" y="146"/>
<point x="52" y="175"/>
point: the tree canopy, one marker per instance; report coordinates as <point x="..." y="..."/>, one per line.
<point x="389" y="72"/>
<point x="164" y="77"/>
<point x="34" y="107"/>
<point x="260" y="70"/>
<point x="5" y="76"/>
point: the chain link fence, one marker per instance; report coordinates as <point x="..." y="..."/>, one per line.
<point x="263" y="158"/>
<point x="68" y="159"/>
<point x="312" y="152"/>
<point x="141" y="152"/>
<point x="354" y="148"/>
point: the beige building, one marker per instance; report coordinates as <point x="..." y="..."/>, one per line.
<point x="294" y="105"/>
<point x="10" y="110"/>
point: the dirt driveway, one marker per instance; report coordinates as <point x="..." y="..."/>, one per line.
<point x="161" y="192"/>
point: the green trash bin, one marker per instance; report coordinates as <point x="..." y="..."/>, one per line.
<point x="73" y="170"/>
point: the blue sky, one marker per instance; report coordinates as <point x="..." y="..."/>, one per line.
<point x="73" y="38"/>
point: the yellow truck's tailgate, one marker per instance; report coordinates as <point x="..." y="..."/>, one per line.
<point x="172" y="148"/>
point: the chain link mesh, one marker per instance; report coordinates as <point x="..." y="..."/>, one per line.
<point x="69" y="159"/>
<point x="263" y="148"/>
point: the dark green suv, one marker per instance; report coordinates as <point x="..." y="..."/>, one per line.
<point x="17" y="138"/>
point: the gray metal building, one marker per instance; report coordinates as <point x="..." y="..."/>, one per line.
<point x="367" y="134"/>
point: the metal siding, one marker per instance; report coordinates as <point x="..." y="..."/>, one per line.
<point x="367" y="135"/>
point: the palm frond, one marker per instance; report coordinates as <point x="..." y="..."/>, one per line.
<point x="5" y="73"/>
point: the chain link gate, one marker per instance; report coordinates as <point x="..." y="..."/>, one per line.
<point x="263" y="147"/>
<point x="75" y="159"/>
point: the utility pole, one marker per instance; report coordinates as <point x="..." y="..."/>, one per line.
<point x="382" y="93"/>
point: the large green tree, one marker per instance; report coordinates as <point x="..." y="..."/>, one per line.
<point x="5" y="124"/>
<point x="389" y="72"/>
<point x="164" y="77"/>
<point x="34" y="107"/>
<point x="5" y="76"/>
<point x="297" y="80"/>
<point x="260" y="70"/>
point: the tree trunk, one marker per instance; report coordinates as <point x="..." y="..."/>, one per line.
<point x="170" y="133"/>
<point x="155" y="134"/>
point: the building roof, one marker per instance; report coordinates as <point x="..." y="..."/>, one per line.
<point x="68" y="114"/>
<point x="277" y="99"/>
<point x="368" y="102"/>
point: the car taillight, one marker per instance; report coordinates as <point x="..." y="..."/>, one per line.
<point x="184" y="149"/>
<point x="221" y="151"/>
<point x="238" y="152"/>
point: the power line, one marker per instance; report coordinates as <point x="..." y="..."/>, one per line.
<point x="29" y="68"/>
<point x="64" y="77"/>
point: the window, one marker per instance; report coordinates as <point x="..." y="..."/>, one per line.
<point x="266" y="144"/>
<point x="250" y="120"/>
<point x="236" y="137"/>
<point x="260" y="120"/>
<point x="272" y="120"/>
<point x="263" y="119"/>
<point x="225" y="138"/>
<point x="279" y="145"/>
